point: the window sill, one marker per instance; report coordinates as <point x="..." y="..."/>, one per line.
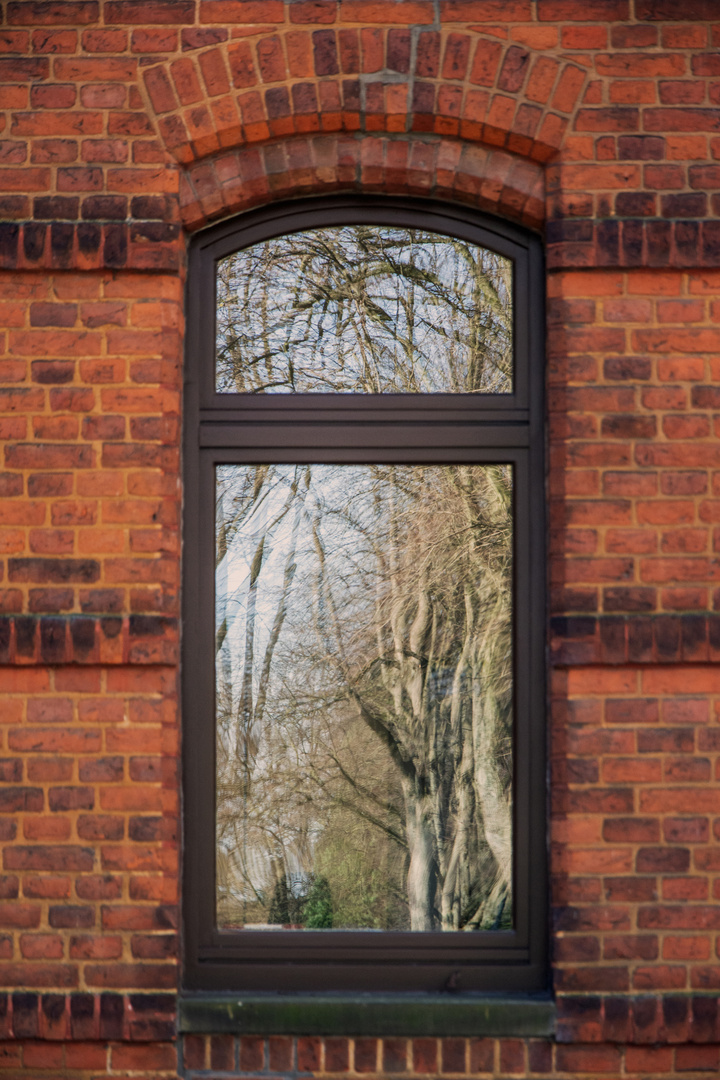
<point x="366" y="1014"/>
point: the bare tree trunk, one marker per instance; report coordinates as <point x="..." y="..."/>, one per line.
<point x="461" y="734"/>
<point x="489" y="786"/>
<point x="421" y="878"/>
<point x="490" y="912"/>
<point x="451" y="891"/>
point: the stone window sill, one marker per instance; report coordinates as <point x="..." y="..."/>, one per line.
<point x="367" y="1014"/>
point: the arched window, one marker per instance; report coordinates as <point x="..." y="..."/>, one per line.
<point x="363" y="602"/>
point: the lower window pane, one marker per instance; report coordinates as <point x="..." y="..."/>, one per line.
<point x="364" y="698"/>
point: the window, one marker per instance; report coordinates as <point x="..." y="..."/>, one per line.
<point x="363" y="605"/>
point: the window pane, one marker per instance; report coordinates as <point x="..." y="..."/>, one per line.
<point x="364" y="309"/>
<point x="364" y="696"/>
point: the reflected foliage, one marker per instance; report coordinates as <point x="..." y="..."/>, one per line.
<point x="364" y="309"/>
<point x="364" y="696"/>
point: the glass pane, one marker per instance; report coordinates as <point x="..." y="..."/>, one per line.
<point x="364" y="697"/>
<point x="364" y="309"/>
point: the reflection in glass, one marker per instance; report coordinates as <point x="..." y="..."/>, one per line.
<point x="364" y="696"/>
<point x="364" y="309"/>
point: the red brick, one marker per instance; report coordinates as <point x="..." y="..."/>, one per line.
<point x="486" y="60"/>
<point x="42" y="1056"/>
<point x="594" y="1059"/>
<point x="148" y="1056"/>
<point x="630" y="947"/>
<point x="690" y="1058"/>
<point x="85" y="1055"/>
<point x="280" y="1053"/>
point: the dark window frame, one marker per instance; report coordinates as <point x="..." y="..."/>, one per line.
<point x="392" y="428"/>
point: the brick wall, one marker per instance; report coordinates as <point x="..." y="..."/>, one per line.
<point x="125" y="126"/>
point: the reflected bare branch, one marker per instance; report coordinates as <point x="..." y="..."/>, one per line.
<point x="364" y="695"/>
<point x="361" y="309"/>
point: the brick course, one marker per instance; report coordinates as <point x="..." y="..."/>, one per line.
<point x="126" y="126"/>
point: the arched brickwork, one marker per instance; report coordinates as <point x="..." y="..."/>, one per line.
<point x="488" y="178"/>
<point x="229" y="91"/>
<point x="253" y="118"/>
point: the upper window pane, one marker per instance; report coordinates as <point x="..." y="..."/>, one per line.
<point x="364" y="309"/>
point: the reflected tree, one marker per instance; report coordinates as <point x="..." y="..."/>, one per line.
<point x="365" y="669"/>
<point x="364" y="644"/>
<point x="364" y="309"/>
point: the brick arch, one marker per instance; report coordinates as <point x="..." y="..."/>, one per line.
<point x="485" y="177"/>
<point x="231" y="92"/>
